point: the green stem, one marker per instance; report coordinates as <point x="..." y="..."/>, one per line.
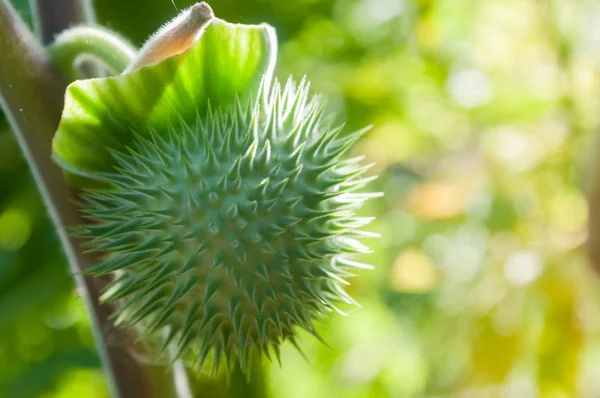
<point x="31" y="95"/>
<point x="180" y="379"/>
<point x="102" y="44"/>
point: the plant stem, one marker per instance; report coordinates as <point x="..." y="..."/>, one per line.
<point x="181" y="382"/>
<point x="31" y="95"/>
<point x="53" y="16"/>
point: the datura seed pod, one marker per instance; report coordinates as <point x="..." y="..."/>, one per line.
<point x="223" y="202"/>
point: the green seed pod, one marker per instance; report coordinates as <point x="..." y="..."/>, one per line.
<point x="228" y="231"/>
<point x="232" y="231"/>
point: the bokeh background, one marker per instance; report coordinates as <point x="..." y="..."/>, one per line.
<point x="485" y="117"/>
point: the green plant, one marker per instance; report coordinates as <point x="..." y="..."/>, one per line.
<point x="222" y="203"/>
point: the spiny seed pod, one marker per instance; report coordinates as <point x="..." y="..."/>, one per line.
<point x="225" y="227"/>
<point x="235" y="230"/>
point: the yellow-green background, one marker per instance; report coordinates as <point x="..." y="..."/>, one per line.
<point x="485" y="118"/>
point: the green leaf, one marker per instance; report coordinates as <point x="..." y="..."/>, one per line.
<point x="229" y="61"/>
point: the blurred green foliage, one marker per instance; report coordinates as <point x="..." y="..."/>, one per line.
<point x="485" y="115"/>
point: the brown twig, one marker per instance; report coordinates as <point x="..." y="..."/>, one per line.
<point x="31" y="95"/>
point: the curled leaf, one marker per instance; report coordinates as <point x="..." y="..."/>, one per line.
<point x="228" y="62"/>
